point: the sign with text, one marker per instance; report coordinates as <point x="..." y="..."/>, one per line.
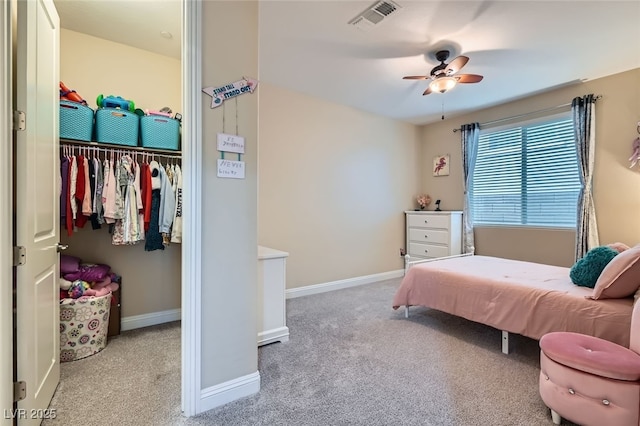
<point x="230" y="143"/>
<point x="230" y="169"/>
<point x="231" y="90"/>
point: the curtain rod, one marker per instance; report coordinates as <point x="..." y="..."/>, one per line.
<point x="120" y="150"/>
<point x="527" y="114"/>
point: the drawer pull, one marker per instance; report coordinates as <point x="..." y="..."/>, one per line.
<point x="426" y="251"/>
<point x="426" y="221"/>
<point x="426" y="236"/>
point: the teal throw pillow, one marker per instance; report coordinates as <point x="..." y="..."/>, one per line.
<point x="586" y="271"/>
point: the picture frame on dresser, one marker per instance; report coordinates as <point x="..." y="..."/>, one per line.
<point x="433" y="234"/>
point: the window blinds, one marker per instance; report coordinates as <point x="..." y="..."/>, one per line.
<point x="527" y="175"/>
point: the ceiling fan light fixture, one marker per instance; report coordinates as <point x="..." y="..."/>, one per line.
<point x="442" y="84"/>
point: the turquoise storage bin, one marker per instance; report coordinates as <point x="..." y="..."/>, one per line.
<point x="117" y="126"/>
<point x="76" y="121"/>
<point x="159" y="132"/>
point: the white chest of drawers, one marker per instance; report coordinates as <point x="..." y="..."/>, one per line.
<point x="432" y="234"/>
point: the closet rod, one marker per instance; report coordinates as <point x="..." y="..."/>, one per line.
<point x="120" y="150"/>
<point x="513" y="117"/>
<point x="109" y="146"/>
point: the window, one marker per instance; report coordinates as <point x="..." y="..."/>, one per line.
<point x="527" y="174"/>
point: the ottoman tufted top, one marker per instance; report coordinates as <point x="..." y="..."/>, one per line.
<point x="592" y="355"/>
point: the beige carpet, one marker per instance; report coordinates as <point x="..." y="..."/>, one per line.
<point x="351" y="360"/>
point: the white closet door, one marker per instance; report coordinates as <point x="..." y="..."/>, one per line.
<point x="37" y="173"/>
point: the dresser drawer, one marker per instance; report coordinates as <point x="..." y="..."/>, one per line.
<point x="429" y="235"/>
<point x="427" y="250"/>
<point x="428" y="221"/>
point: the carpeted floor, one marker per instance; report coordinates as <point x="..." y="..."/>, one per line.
<point x="351" y="360"/>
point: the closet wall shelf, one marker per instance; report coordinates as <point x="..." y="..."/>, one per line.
<point x="120" y="147"/>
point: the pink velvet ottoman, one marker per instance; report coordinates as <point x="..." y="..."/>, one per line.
<point x="588" y="380"/>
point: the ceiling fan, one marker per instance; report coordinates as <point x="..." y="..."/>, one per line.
<point x="443" y="77"/>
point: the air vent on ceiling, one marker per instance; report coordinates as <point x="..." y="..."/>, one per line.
<point x="375" y="14"/>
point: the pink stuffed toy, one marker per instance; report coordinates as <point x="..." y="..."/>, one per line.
<point x="101" y="288"/>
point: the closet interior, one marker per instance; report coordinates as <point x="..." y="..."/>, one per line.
<point x="147" y="263"/>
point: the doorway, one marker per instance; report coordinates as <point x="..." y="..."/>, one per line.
<point x="96" y="65"/>
<point x="189" y="263"/>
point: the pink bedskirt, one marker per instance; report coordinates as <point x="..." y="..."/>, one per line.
<point x="515" y="296"/>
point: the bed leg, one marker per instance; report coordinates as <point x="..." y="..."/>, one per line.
<point x="406" y="311"/>
<point x="505" y="342"/>
<point x="556" y="418"/>
<point x="407" y="259"/>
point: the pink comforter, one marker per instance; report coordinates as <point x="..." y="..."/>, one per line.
<point x="519" y="297"/>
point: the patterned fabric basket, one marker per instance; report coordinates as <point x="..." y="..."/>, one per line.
<point x="76" y="121"/>
<point x="117" y="126"/>
<point x="83" y="326"/>
<point x="159" y="132"/>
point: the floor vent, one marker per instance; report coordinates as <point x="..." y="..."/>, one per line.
<point x="374" y="14"/>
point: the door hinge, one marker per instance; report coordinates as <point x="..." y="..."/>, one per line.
<point x="19" y="255"/>
<point x="19" y="120"/>
<point x="19" y="391"/>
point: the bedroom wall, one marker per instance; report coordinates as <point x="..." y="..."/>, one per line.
<point x="334" y="183"/>
<point x="150" y="280"/>
<point x="229" y="207"/>
<point x="616" y="187"/>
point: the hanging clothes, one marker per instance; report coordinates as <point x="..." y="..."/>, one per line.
<point x="145" y="189"/>
<point x="139" y="206"/>
<point x="64" y="193"/>
<point x="86" y="199"/>
<point x="73" y="176"/>
<point x="127" y="229"/>
<point x="131" y="196"/>
<point x="80" y="192"/>
<point x="120" y="185"/>
<point x="176" y="228"/>
<point x="93" y="217"/>
<point x="98" y="208"/>
<point x="154" y="237"/>
<point x="167" y="206"/>
<point x="109" y="192"/>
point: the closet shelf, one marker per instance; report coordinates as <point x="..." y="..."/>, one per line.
<point x="121" y="147"/>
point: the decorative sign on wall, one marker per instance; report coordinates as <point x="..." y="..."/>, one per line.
<point x="230" y="143"/>
<point x="230" y="169"/>
<point x="231" y="90"/>
<point x="441" y="165"/>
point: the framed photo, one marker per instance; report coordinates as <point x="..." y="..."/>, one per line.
<point x="441" y="165"/>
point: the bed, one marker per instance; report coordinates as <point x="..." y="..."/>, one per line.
<point x="526" y="298"/>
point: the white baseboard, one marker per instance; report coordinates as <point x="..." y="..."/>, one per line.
<point x="340" y="284"/>
<point x="280" y="334"/>
<point x="145" y="320"/>
<point x="229" y="391"/>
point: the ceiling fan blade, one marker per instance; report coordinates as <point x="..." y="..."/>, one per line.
<point x="426" y="92"/>
<point x="456" y="65"/>
<point x="468" y="78"/>
<point x="416" y="77"/>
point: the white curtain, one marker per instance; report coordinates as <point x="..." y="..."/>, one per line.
<point x="584" y="122"/>
<point x="470" y="134"/>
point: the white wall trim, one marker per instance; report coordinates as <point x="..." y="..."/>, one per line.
<point x="340" y="284"/>
<point x="146" y="320"/>
<point x="231" y="390"/>
<point x="280" y="334"/>
<point x="192" y="219"/>
<point x="6" y="213"/>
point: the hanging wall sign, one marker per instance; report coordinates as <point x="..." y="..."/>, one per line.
<point x="231" y="90"/>
<point x="230" y="169"/>
<point x="230" y="143"/>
